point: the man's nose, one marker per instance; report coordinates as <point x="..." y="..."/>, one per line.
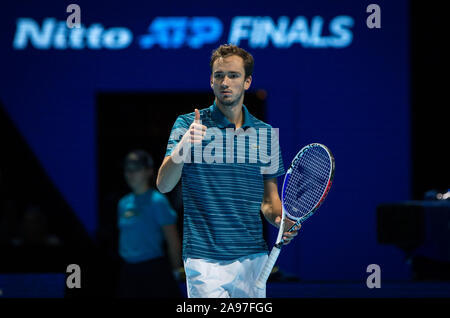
<point x="225" y="83"/>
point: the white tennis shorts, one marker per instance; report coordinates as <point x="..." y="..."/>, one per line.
<point x="224" y="279"/>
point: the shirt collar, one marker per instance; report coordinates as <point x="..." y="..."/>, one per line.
<point x="223" y="122"/>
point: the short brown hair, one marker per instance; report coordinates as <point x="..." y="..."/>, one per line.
<point x="226" y="50"/>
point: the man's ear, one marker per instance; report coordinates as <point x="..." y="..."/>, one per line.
<point x="211" y="81"/>
<point x="248" y="82"/>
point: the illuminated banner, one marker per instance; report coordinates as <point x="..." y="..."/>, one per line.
<point x="190" y="32"/>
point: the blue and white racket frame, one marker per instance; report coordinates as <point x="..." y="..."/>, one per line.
<point x="273" y="256"/>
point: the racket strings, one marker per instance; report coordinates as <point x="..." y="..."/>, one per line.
<point x="314" y="168"/>
<point x="307" y="182"/>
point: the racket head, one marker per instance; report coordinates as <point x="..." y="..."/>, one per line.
<point x="307" y="182"/>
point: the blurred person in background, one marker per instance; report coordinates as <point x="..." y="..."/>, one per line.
<point x="146" y="222"/>
<point x="34" y="230"/>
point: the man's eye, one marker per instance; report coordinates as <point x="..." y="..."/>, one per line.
<point x="218" y="75"/>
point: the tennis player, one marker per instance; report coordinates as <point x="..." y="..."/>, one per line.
<point x="223" y="245"/>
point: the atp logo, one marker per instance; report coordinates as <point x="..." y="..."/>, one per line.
<point x="175" y="32"/>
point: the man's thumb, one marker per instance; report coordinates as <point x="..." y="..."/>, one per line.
<point x="197" y="116"/>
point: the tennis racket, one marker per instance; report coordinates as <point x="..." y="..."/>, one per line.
<point x="305" y="186"/>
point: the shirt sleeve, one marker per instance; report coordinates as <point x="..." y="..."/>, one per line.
<point x="275" y="167"/>
<point x="178" y="130"/>
<point x="165" y="214"/>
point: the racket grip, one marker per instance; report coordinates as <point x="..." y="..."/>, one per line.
<point x="264" y="275"/>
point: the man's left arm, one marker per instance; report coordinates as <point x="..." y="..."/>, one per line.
<point x="271" y="209"/>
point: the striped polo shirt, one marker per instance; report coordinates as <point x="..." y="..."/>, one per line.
<point x="223" y="184"/>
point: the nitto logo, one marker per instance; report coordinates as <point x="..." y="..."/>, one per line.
<point x="191" y="32"/>
<point x="56" y="34"/>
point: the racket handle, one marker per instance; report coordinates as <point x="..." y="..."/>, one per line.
<point x="264" y="275"/>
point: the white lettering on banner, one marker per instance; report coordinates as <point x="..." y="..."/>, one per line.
<point x="192" y="32"/>
<point x="56" y="34"/>
<point x="259" y="31"/>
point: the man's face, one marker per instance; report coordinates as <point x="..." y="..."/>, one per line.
<point x="228" y="80"/>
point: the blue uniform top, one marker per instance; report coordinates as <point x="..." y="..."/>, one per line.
<point x="223" y="184"/>
<point x="140" y="222"/>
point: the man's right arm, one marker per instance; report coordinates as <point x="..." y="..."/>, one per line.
<point x="169" y="174"/>
<point x="170" y="171"/>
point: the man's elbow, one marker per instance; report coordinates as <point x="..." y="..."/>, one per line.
<point x="160" y="186"/>
<point x="165" y="180"/>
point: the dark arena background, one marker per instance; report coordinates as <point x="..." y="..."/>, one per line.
<point x="72" y="105"/>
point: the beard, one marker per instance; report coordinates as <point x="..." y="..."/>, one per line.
<point x="229" y="101"/>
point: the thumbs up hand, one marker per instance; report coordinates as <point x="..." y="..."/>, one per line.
<point x="171" y="169"/>
<point x="196" y="131"/>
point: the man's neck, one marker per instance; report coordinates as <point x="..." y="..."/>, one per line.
<point x="234" y="114"/>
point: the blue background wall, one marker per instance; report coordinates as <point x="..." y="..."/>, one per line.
<point x="355" y="99"/>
